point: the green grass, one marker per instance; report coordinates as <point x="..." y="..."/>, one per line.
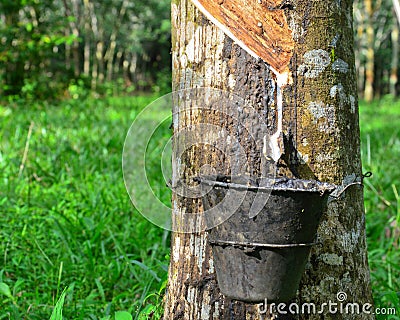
<point x="66" y="219"/>
<point x="380" y="137"/>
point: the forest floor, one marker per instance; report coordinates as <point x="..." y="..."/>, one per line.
<point x="67" y="221"/>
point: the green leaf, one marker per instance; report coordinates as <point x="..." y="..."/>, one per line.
<point x="4" y="112"/>
<point x="70" y="39"/>
<point x="101" y="289"/>
<point x="148" y="310"/>
<point x="123" y="315"/>
<point x="46" y="39"/>
<point x="29" y="27"/>
<point x="57" y="312"/>
<point x="5" y="290"/>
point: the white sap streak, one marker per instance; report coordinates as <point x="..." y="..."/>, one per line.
<point x="282" y="79"/>
<point x="175" y="250"/>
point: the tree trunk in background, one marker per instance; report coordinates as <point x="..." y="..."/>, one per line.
<point x="14" y="72"/>
<point x="86" y="50"/>
<point x="369" y="66"/>
<point x="395" y="58"/>
<point x="321" y="129"/>
<point x="109" y="56"/>
<point x="67" y="51"/>
<point x="396" y="6"/>
<point x="110" y="53"/>
<point x="118" y="62"/>
<point x="125" y="69"/>
<point x="360" y="66"/>
<point x="100" y="57"/>
<point x="96" y="40"/>
<point x="75" y="31"/>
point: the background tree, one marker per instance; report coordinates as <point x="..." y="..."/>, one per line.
<point x="90" y="43"/>
<point x="376" y="43"/>
<point x="395" y="49"/>
<point x="86" y="43"/>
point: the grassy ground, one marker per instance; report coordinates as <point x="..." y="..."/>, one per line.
<point x="380" y="137"/>
<point x="66" y="219"/>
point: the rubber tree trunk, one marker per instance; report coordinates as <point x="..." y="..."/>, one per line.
<point x="321" y="140"/>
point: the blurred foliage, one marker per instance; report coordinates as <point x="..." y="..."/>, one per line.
<point x="50" y="47"/>
<point x="119" y="46"/>
<point x="66" y="219"/>
<point x="377" y="42"/>
<point x="26" y="49"/>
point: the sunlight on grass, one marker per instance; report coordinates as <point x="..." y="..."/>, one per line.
<point x="380" y="137"/>
<point x="57" y="313"/>
<point x="67" y="220"/>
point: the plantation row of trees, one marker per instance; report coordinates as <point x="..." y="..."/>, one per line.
<point x="50" y="47"/>
<point x="377" y="47"/>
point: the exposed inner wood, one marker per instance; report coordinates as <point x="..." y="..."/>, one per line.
<point x="260" y="27"/>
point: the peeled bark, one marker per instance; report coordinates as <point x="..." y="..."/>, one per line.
<point x="321" y="140"/>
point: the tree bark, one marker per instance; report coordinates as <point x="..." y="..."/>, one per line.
<point x="321" y="134"/>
